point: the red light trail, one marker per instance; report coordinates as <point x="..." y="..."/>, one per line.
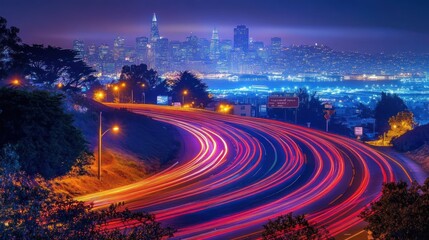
<point x="235" y="173"/>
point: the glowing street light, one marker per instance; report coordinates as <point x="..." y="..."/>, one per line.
<point x="99" y="96"/>
<point x="16" y="82"/>
<point x="143" y="93"/>
<point x="100" y="136"/>
<point x="116" y="89"/>
<point x="224" y="108"/>
<point x="185" y="92"/>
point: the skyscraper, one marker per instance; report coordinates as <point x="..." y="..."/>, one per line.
<point x="276" y="46"/>
<point x="214" y="45"/>
<point x="79" y="47"/>
<point x="141" y="49"/>
<point x="154" y="31"/>
<point x="241" y="38"/>
<point x="119" y="48"/>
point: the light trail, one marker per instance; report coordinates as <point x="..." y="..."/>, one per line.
<point x="238" y="172"/>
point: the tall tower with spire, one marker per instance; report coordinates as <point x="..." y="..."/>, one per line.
<point x="154" y="31"/>
<point x="214" y="45"/>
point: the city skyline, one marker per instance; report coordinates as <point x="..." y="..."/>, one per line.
<point x="380" y="26"/>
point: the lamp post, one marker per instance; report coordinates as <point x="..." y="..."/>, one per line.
<point x="143" y="94"/>
<point x="116" y="88"/>
<point x="185" y="92"/>
<point x="100" y="136"/>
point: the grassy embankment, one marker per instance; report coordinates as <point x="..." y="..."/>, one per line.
<point x="142" y="147"/>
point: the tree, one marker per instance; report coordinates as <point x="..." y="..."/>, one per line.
<point x="10" y="49"/>
<point x="293" y="227"/>
<point x="42" y="134"/>
<point x="388" y="106"/>
<point x="30" y="210"/>
<point x="310" y="108"/>
<point x="52" y="65"/>
<point x="364" y="111"/>
<point x="402" y="212"/>
<point x="140" y="80"/>
<point x="400" y="124"/>
<point x="196" y="90"/>
<point x="78" y="76"/>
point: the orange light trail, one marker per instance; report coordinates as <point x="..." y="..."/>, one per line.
<point x="235" y="173"/>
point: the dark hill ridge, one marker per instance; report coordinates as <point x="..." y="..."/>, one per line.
<point x="413" y="139"/>
<point x="139" y="135"/>
<point x="141" y="148"/>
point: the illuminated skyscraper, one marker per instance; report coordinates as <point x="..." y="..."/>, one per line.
<point x="103" y="51"/>
<point x="141" y="49"/>
<point x="154" y="31"/>
<point x="119" y="48"/>
<point x="79" y="47"/>
<point x="241" y="38"/>
<point x="214" y="45"/>
<point x="276" y="46"/>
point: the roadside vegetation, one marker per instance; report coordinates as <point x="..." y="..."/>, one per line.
<point x="48" y="130"/>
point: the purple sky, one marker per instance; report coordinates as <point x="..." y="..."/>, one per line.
<point x="362" y="25"/>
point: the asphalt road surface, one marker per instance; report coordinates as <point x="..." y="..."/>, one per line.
<point x="234" y="173"/>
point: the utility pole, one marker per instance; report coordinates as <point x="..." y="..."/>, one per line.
<point x="100" y="135"/>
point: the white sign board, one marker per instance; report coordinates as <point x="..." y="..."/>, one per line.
<point x="358" y="131"/>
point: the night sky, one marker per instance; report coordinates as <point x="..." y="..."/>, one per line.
<point x="361" y="25"/>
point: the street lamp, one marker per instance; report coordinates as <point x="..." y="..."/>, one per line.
<point x="185" y="92"/>
<point x="116" y="89"/>
<point x="99" y="96"/>
<point x="16" y="82"/>
<point x="100" y="136"/>
<point x="143" y="93"/>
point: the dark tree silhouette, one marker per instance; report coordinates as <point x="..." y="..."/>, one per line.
<point x="364" y="111"/>
<point x="49" y="66"/>
<point x="45" y="139"/>
<point x="78" y="76"/>
<point x="401" y="213"/>
<point x="289" y="227"/>
<point x="388" y="106"/>
<point x="196" y="89"/>
<point x="10" y="49"/>
<point x="30" y="210"/>
<point x="140" y="80"/>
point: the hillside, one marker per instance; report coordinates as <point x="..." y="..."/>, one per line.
<point x="413" y="139"/>
<point x="420" y="156"/>
<point x="142" y="147"/>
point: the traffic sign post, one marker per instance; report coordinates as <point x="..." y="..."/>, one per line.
<point x="328" y="114"/>
<point x="358" y="132"/>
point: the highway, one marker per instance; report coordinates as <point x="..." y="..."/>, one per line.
<point x="234" y="173"/>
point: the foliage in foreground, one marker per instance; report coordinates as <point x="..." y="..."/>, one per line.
<point x="401" y="213"/>
<point x="293" y="227"/>
<point x="30" y="210"/>
<point x="40" y="132"/>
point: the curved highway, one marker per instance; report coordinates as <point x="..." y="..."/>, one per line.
<point x="234" y="173"/>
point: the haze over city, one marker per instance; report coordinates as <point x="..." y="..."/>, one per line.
<point x="368" y="26"/>
<point x="214" y="119"/>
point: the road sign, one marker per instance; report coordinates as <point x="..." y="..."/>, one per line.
<point x="283" y="102"/>
<point x="328" y="114"/>
<point x="358" y="131"/>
